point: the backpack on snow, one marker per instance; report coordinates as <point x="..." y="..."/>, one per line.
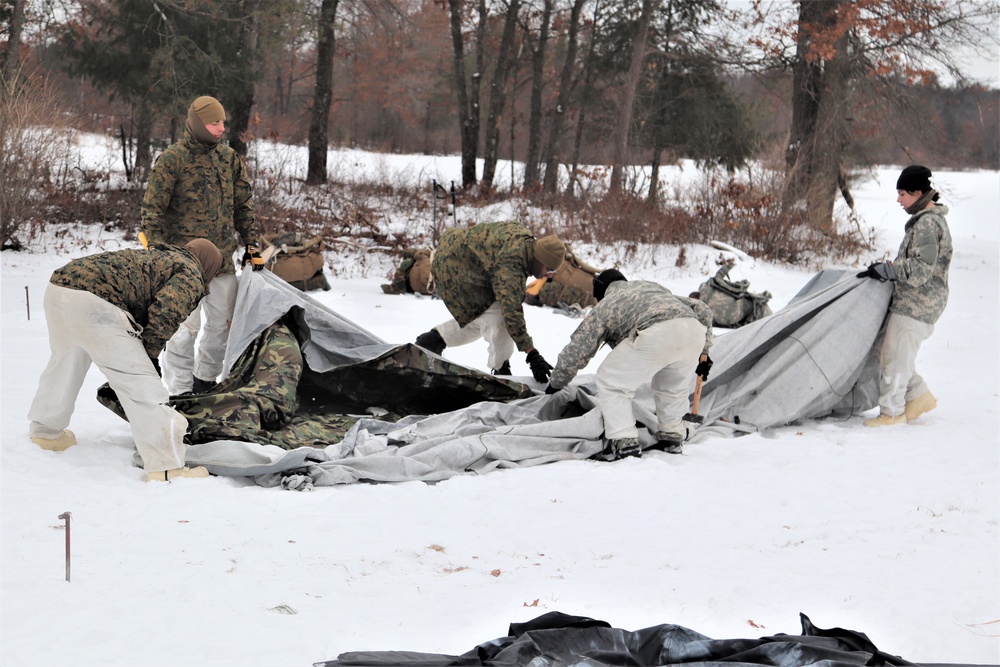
<point x="572" y="284"/>
<point x="297" y="260"/>
<point x="732" y="304"/>
<point x="413" y="276"/>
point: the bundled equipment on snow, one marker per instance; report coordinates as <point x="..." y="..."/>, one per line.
<point x="413" y="276"/>
<point x="733" y="304"/>
<point x="297" y="260"/>
<point x="571" y="285"/>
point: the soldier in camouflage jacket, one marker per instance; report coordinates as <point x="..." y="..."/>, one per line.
<point x="656" y="338"/>
<point x="116" y="310"/>
<point x="920" y="293"/>
<point x="199" y="188"/>
<point x="481" y="273"/>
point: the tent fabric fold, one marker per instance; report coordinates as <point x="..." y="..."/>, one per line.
<point x="362" y="409"/>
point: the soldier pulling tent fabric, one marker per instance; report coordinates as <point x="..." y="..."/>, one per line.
<point x="291" y="386"/>
<point x="814" y="358"/>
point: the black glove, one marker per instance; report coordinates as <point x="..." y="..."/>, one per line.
<point x="540" y="368"/>
<point x="704" y="366"/>
<point x="156" y="365"/>
<point x="552" y="390"/>
<point x="880" y="271"/>
<point x="252" y="257"/>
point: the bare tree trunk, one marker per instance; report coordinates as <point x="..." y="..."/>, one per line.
<point x="322" y="95"/>
<point x="239" y="132"/>
<point x="10" y="60"/>
<point x="531" y="165"/>
<point x="589" y="74"/>
<point x="820" y="122"/>
<point x="552" y="153"/>
<point x="498" y="94"/>
<point x="653" y="198"/>
<point x="468" y="94"/>
<point x="629" y="93"/>
<point x="143" y="137"/>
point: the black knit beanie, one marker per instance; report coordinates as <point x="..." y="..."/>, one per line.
<point x="605" y="278"/>
<point x="914" y="178"/>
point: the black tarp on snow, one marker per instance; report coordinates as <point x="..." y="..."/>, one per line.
<point x="560" y="640"/>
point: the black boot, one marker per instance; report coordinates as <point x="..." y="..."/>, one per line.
<point x="431" y="341"/>
<point x="620" y="448"/>
<point x="200" y="386"/>
<point x="504" y="369"/>
<point x="671" y="443"/>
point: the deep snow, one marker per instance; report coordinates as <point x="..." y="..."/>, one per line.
<point x="892" y="532"/>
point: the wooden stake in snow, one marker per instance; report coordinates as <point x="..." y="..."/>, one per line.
<point x="65" y="517"/>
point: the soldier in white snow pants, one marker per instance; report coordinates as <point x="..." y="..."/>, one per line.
<point x="84" y="328"/>
<point x="664" y="355"/>
<point x="489" y="326"/>
<point x="181" y="364"/>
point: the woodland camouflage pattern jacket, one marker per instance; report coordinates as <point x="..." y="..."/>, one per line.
<point x="477" y="266"/>
<point x="627" y="307"/>
<point x="921" y="287"/>
<point x="199" y="190"/>
<point x="157" y="288"/>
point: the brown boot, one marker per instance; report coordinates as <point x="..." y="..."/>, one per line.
<point x="167" y="475"/>
<point x="886" y="420"/>
<point x="64" y="441"/>
<point x="921" y="404"/>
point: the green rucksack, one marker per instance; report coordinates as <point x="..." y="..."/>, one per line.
<point x="733" y="304"/>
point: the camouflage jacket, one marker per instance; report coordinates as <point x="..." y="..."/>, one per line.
<point x="477" y="266"/>
<point x="159" y="289"/>
<point x="627" y="308"/>
<point x="199" y="190"/>
<point x="921" y="287"/>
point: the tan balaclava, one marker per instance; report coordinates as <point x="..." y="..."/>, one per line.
<point x="549" y="252"/>
<point x="208" y="256"/>
<point x="204" y="111"/>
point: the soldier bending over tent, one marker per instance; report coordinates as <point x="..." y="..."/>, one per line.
<point x="480" y="273"/>
<point x="657" y="338"/>
<point x="117" y="310"/>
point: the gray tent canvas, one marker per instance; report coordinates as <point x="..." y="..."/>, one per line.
<point x="812" y="359"/>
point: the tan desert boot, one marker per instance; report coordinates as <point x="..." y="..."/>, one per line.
<point x="920" y="405"/>
<point x="65" y="440"/>
<point x="886" y="420"/>
<point x="167" y="475"/>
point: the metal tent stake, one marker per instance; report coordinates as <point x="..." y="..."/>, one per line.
<point x="27" y="301"/>
<point x="65" y="517"/>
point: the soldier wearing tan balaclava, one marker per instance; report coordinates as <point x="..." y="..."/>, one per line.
<point x="199" y="188"/>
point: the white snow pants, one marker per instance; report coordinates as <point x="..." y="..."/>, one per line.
<point x="181" y="364"/>
<point x="84" y="328"/>
<point x="664" y="355"/>
<point x="490" y="326"/>
<point x="899" y="381"/>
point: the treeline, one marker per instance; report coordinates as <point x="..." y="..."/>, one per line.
<point x="817" y="89"/>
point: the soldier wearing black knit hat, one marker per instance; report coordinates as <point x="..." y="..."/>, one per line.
<point x="920" y="292"/>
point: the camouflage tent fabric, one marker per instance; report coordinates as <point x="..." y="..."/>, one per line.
<point x="303" y="375"/>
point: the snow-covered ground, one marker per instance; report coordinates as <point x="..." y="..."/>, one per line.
<point x="892" y="532"/>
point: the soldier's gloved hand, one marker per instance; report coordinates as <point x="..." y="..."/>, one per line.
<point x="252" y="257"/>
<point x="552" y="390"/>
<point x="540" y="368"/>
<point x="704" y="366"/>
<point x="880" y="271"/>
